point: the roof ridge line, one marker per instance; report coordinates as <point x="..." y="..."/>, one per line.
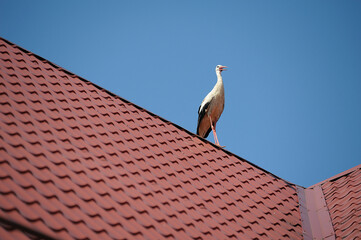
<point x="315" y="216"/>
<point x="143" y="109"/>
<point x="337" y="176"/>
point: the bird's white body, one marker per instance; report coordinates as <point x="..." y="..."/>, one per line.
<point x="212" y="107"/>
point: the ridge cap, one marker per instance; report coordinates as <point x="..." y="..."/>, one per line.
<point x="337" y="176"/>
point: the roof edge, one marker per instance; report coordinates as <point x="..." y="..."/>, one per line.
<point x="145" y="110"/>
<point x="337" y="176"/>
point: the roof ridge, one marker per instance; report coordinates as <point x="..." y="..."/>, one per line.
<point x="145" y="110"/>
<point x="338" y="176"/>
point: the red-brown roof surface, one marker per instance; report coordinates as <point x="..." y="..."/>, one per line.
<point x="78" y="162"/>
<point x="343" y="199"/>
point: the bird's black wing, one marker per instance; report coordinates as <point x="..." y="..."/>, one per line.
<point x="201" y="113"/>
<point x="207" y="133"/>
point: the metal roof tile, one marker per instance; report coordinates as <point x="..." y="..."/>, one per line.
<point x="342" y="196"/>
<point x="12" y="232"/>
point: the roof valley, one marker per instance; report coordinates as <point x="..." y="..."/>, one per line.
<point x="315" y="216"/>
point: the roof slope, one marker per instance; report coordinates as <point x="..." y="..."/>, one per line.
<point x="343" y="198"/>
<point x="77" y="161"/>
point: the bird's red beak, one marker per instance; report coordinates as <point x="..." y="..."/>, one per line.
<point x="223" y="68"/>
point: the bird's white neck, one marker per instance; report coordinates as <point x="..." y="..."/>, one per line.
<point x="219" y="77"/>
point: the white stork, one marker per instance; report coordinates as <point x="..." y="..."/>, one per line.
<point x="211" y="108"/>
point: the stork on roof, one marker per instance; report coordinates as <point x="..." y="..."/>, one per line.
<point x="78" y="162"/>
<point x="211" y="108"/>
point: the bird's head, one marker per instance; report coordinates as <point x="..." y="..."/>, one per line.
<point x="220" y="68"/>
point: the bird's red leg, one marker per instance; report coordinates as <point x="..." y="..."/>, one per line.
<point x="215" y="135"/>
<point x="216" y="138"/>
<point x="214" y="132"/>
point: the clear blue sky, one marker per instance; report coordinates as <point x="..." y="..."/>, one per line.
<point x="293" y="88"/>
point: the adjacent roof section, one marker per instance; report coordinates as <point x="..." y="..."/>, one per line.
<point x="331" y="209"/>
<point x="343" y="198"/>
<point x="79" y="162"/>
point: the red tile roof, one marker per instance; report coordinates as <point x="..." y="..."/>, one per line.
<point x="77" y="161"/>
<point x="343" y="199"/>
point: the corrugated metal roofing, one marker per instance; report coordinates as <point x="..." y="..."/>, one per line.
<point x="77" y="161"/>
